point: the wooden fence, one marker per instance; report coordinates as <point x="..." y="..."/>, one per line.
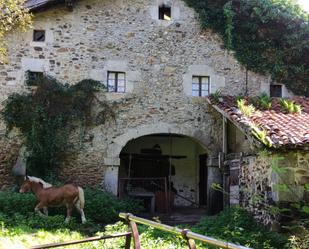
<point x="187" y="235"/>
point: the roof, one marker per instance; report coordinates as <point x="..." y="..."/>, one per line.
<point x="34" y="4"/>
<point x="273" y="127"/>
<point x="39" y="4"/>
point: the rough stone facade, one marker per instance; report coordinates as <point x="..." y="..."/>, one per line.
<point x="9" y="153"/>
<point x="261" y="181"/>
<point x="159" y="59"/>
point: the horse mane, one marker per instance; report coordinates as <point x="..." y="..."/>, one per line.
<point x="39" y="180"/>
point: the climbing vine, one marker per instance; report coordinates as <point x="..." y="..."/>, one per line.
<point x="267" y="36"/>
<point x="47" y="116"/>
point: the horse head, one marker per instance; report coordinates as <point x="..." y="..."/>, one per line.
<point x="26" y="186"/>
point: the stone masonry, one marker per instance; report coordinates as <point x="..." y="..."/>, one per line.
<point x="159" y="59"/>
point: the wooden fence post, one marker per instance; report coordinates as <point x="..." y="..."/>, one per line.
<point x="137" y="244"/>
<point x="128" y="241"/>
<point x="190" y="242"/>
<point x="134" y="233"/>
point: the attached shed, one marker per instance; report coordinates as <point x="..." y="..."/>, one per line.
<point x="266" y="162"/>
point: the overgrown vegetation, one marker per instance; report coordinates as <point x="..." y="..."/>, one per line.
<point x="13" y="15"/>
<point x="261" y="135"/>
<point x="238" y="226"/>
<point x="234" y="225"/>
<point x="269" y="37"/>
<point x="47" y="116"/>
<point x="262" y="102"/>
<point x="101" y="207"/>
<point x="245" y="108"/>
<point x="290" y="106"/>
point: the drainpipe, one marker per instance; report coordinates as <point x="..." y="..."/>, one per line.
<point x="246" y="89"/>
<point x="224" y="137"/>
<point x="224" y="169"/>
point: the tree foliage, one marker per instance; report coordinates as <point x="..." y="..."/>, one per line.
<point x="46" y="117"/>
<point x="267" y="36"/>
<point x="13" y="15"/>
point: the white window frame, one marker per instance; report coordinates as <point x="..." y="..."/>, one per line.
<point x="113" y="83"/>
<point x="197" y="87"/>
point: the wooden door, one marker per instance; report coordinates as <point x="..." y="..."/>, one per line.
<point x="203" y="180"/>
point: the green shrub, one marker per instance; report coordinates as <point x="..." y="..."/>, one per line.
<point x="238" y="226"/>
<point x="104" y="208"/>
<point x="12" y="203"/>
<point x="100" y="207"/>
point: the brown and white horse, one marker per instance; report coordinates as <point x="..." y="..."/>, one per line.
<point x="49" y="196"/>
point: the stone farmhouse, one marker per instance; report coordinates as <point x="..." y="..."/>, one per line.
<point x="160" y="68"/>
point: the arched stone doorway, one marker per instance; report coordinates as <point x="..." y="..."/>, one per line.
<point x="162" y="163"/>
<point x="204" y="144"/>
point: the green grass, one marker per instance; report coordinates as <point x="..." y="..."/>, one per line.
<point x="21" y="228"/>
<point x="236" y="226"/>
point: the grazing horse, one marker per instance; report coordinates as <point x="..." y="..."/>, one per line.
<point x="68" y="195"/>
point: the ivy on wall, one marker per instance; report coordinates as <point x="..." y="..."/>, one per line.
<point x="46" y="118"/>
<point x="267" y="36"/>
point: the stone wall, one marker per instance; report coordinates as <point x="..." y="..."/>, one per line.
<point x="271" y="179"/>
<point x="10" y="146"/>
<point x="158" y="58"/>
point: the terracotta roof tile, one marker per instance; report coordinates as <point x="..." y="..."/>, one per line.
<point x="282" y="129"/>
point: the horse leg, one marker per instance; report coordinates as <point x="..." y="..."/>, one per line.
<point x="45" y="211"/>
<point x="81" y="211"/>
<point x="38" y="207"/>
<point x="69" y="213"/>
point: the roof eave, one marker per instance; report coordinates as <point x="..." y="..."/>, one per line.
<point x="247" y="131"/>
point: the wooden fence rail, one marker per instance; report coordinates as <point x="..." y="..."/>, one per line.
<point x="90" y="239"/>
<point x="189" y="236"/>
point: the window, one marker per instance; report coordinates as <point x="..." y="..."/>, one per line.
<point x="275" y="90"/>
<point x="33" y="78"/>
<point x="39" y="35"/>
<point x="165" y="13"/>
<point x="200" y="86"/>
<point x="116" y="82"/>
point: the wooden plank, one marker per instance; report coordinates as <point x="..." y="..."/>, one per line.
<point x="90" y="239"/>
<point x="176" y="231"/>
<point x="128" y="241"/>
<point x="135" y="234"/>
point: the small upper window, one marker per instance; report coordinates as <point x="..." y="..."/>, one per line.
<point x="39" y="35"/>
<point x="116" y="82"/>
<point x="165" y="13"/>
<point x="200" y="86"/>
<point x="33" y="78"/>
<point x="275" y="90"/>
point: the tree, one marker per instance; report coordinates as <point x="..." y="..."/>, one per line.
<point x="13" y="15"/>
<point x="267" y="36"/>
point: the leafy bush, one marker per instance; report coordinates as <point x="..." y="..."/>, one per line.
<point x="104" y="208"/>
<point x="238" y="226"/>
<point x="12" y="203"/>
<point x="100" y="207"/>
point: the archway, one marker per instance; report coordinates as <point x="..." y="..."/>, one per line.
<point x="205" y="138"/>
<point x="166" y="170"/>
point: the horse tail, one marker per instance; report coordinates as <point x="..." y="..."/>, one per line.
<point x="81" y="197"/>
